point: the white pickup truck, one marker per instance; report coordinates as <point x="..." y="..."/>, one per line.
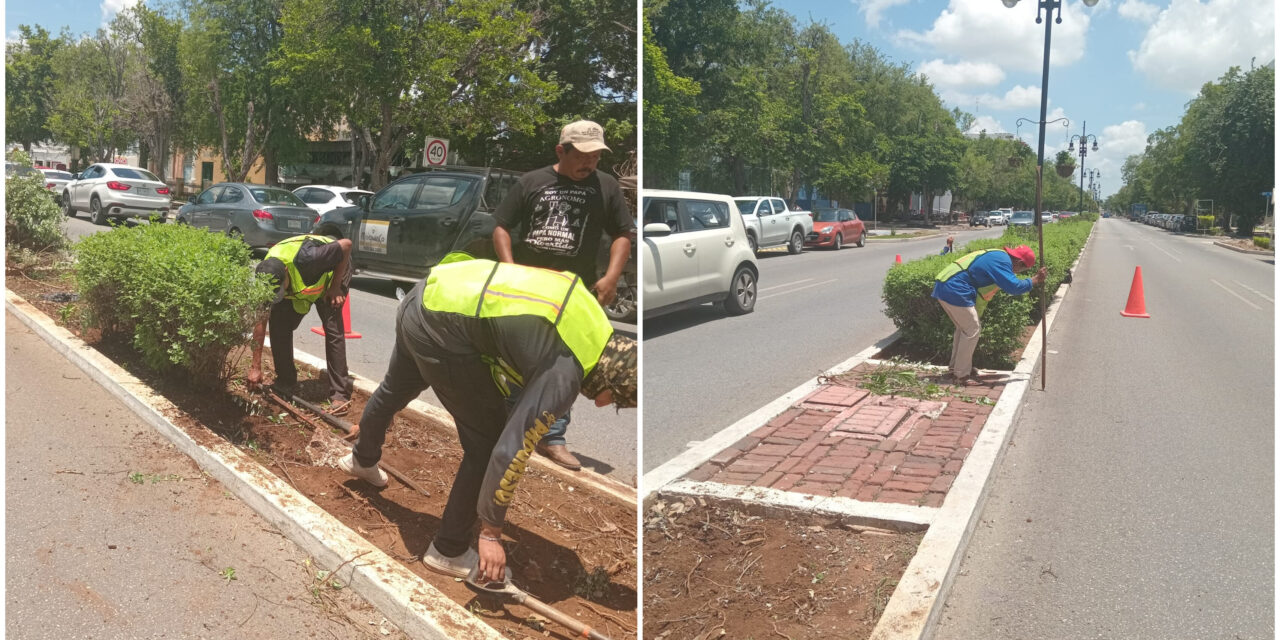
<point x="770" y="224"/>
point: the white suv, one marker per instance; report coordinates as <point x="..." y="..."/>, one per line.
<point x="115" y="190"/>
<point x="696" y="251"/>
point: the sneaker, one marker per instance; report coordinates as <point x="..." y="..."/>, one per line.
<point x="458" y="567"/>
<point x="373" y="475"/>
<point x="560" y="455"/>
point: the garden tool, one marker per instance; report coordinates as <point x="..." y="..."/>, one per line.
<point x="508" y="592"/>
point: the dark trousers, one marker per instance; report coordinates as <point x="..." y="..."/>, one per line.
<point x="466" y="390"/>
<point x="284" y="321"/>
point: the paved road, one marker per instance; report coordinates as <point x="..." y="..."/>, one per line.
<point x="603" y="439"/>
<point x="90" y="553"/>
<point x="1137" y="497"/>
<point x="703" y="370"/>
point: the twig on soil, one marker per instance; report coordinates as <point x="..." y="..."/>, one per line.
<point x="348" y="561"/>
<point x="690" y="576"/>
<point x="255" y="610"/>
<point x="775" y="630"/>
<point x="286" y="472"/>
<point x="606" y="616"/>
<point x="750" y="564"/>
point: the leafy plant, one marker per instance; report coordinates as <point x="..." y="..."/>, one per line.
<point x="900" y="378"/>
<point x="228" y="574"/>
<point x="1064" y="158"/>
<point x="1262" y="242"/>
<point x="32" y="219"/>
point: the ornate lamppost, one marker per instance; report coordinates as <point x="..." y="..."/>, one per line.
<point x="1048" y="7"/>
<point x="1083" y="137"/>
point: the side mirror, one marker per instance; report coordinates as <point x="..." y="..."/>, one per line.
<point x="657" y="230"/>
<point x="364" y="202"/>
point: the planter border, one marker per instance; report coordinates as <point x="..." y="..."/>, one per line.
<point x="408" y="601"/>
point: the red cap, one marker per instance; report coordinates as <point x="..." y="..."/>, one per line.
<point x="1022" y="253"/>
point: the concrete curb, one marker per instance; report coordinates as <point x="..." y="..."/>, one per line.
<point x="775" y="502"/>
<point x="916" y="605"/>
<point x="621" y="494"/>
<point x="682" y="464"/>
<point x="404" y="598"/>
<point x="1239" y="250"/>
<point x="891" y="239"/>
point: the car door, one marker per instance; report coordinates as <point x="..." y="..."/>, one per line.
<point x="222" y="213"/>
<point x="707" y="224"/>
<point x="423" y="234"/>
<point x="783" y="216"/>
<point x="671" y="266"/>
<point x="83" y="187"/>
<point x="380" y="225"/>
<point x="198" y="214"/>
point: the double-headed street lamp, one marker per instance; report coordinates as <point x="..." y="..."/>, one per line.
<point x="1093" y="173"/>
<point x="1048" y="6"/>
<point x="1083" y="137"/>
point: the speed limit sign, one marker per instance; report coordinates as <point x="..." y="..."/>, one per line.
<point x="436" y="152"/>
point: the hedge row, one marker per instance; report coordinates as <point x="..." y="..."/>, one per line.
<point x="925" y="328"/>
<point x="33" y="220"/>
<point x="184" y="296"/>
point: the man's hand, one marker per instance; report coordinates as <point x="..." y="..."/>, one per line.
<point x="1038" y="278"/>
<point x="336" y="299"/>
<point x="255" y="377"/>
<point x="606" y="289"/>
<point x="493" y="558"/>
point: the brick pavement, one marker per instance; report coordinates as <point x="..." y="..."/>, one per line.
<point x="844" y="441"/>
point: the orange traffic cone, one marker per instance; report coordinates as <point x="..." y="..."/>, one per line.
<point x="897" y="259"/>
<point x="346" y="322"/>
<point x="1137" y="307"/>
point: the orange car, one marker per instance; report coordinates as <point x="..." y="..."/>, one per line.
<point x="835" y="227"/>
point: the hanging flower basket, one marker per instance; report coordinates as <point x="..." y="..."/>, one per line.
<point x="1065" y="170"/>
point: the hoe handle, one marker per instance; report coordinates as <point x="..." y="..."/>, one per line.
<point x="561" y="618"/>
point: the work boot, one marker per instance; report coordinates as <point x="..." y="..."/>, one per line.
<point x="457" y="567"/>
<point x="373" y="475"/>
<point x="560" y="455"/>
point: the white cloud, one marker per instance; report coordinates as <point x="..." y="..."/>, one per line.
<point x="985" y="31"/>
<point x="986" y="123"/>
<point x="1019" y="97"/>
<point x="872" y="10"/>
<point x="1193" y="42"/>
<point x="961" y="74"/>
<point x="1139" y="11"/>
<point x="111" y="7"/>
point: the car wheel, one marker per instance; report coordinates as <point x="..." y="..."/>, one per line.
<point x="751" y="242"/>
<point x="742" y="292"/>
<point x="623" y="307"/>
<point x="839" y="241"/>
<point x="862" y="240"/>
<point x="96" y="213"/>
<point x="797" y="243"/>
<point x="66" y="206"/>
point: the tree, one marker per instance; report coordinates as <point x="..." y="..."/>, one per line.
<point x="669" y="112"/>
<point x="155" y="97"/>
<point x="29" y="83"/>
<point x="90" y="86"/>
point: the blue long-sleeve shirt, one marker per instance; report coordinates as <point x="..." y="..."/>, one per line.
<point x="995" y="267"/>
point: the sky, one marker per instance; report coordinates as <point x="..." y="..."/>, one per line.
<point x="1119" y="70"/>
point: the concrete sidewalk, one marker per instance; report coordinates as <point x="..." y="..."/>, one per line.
<point x="113" y="533"/>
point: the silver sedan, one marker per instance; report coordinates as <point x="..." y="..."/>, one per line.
<point x="115" y="191"/>
<point x="260" y="215"/>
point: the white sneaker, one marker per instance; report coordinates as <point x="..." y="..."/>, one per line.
<point x="457" y="567"/>
<point x="373" y="475"/>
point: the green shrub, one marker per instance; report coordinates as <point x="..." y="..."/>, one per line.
<point x="1215" y="231"/>
<point x="1204" y="222"/>
<point x="909" y="303"/>
<point x="1262" y="242"/>
<point x="1091" y="216"/>
<point x="32" y="218"/>
<point x="184" y="296"/>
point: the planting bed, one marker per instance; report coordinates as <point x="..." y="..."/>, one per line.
<point x="713" y="571"/>
<point x="574" y="550"/>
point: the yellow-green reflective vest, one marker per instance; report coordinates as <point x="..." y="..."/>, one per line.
<point x="488" y="289"/>
<point x="302" y="294"/>
<point x="985" y="294"/>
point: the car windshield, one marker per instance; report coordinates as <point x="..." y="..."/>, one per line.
<point x="1022" y="215"/>
<point x="825" y="215"/>
<point x="133" y="173"/>
<point x="746" y="207"/>
<point x="275" y="196"/>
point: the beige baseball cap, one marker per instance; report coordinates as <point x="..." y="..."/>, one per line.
<point x="585" y="136"/>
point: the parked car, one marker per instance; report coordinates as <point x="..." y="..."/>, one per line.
<point x="770" y="224"/>
<point x="1022" y="219"/>
<point x="980" y="219"/>
<point x="1046" y="217"/>
<point x="405" y="228"/>
<point x="696" y="251"/>
<point x="15" y="169"/>
<point x="115" y="191"/>
<point x="258" y="214"/>
<point x="995" y="217"/>
<point x="325" y="198"/>
<point x="833" y="227"/>
<point x="55" y="181"/>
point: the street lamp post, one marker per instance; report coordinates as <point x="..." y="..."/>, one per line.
<point x="1083" y="137"/>
<point x="1048" y="6"/>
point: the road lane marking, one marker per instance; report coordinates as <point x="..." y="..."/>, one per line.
<point x="807" y="286"/>
<point x="1259" y="293"/>
<point x="779" y="286"/>
<point x="1163" y="249"/>
<point x="1242" y="298"/>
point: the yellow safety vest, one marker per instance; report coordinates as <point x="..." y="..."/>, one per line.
<point x="487" y="289"/>
<point x="302" y="294"/>
<point x="985" y="294"/>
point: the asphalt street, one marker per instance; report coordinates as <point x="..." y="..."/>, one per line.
<point x="704" y="370"/>
<point x="1136" y="499"/>
<point x="602" y="438"/>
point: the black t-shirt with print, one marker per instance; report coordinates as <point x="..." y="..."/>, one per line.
<point x="560" y="220"/>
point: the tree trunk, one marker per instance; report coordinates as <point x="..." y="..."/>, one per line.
<point x="144" y="155"/>
<point x="740" y="176"/>
<point x="269" y="165"/>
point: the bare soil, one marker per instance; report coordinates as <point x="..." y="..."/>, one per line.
<point x="567" y="547"/>
<point x="713" y="571"/>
